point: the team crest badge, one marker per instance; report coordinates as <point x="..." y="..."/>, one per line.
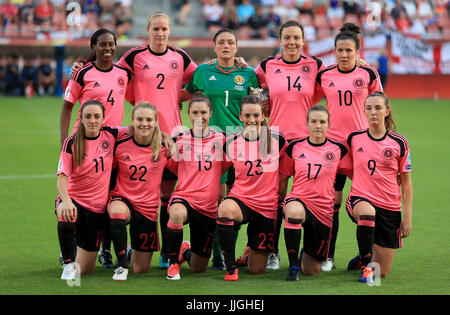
<point x="329" y="156"/>
<point x="120" y="81"/>
<point x="388" y="153"/>
<point x="174" y="65"/>
<point x="239" y="79"/>
<point x="306" y="69"/>
<point x="105" y="146"/>
<point x="359" y="83"/>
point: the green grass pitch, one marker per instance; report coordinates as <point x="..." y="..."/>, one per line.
<point x="29" y="247"/>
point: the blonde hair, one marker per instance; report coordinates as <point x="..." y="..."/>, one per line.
<point x="155" y="142"/>
<point x="153" y="15"/>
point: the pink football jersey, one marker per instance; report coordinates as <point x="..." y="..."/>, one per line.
<point x="256" y="174"/>
<point x="138" y="176"/>
<point x="158" y="79"/>
<point x="88" y="184"/>
<point x="314" y="167"/>
<point x="199" y="163"/>
<point x="346" y="93"/>
<point x="376" y="164"/>
<point x="292" y="91"/>
<point x="108" y="87"/>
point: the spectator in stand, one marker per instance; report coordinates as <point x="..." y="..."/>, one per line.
<point x="2" y="74"/>
<point x="28" y="75"/>
<point x="46" y="77"/>
<point x="410" y="8"/>
<point x="383" y="67"/>
<point x="397" y="9"/>
<point x="258" y="22"/>
<point x="229" y="17"/>
<point x="212" y="12"/>
<point x="43" y="13"/>
<point x="351" y="7"/>
<point x="335" y="10"/>
<point x="425" y="10"/>
<point x="245" y="10"/>
<point x="26" y="12"/>
<point x="287" y="10"/>
<point x="274" y="22"/>
<point x="107" y="19"/>
<point x="402" y="22"/>
<point x="308" y="7"/>
<point x="182" y="7"/>
<point x="123" y="14"/>
<point x="9" y="13"/>
<point x="12" y="79"/>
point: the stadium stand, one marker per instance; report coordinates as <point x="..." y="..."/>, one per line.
<point x="49" y="24"/>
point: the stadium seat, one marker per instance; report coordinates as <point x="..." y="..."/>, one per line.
<point x="11" y="30"/>
<point x="27" y="30"/>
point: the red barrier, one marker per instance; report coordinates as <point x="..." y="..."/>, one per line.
<point x="415" y="86"/>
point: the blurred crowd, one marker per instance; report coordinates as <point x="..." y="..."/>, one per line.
<point x="30" y="76"/>
<point x="26" y="18"/>
<point x="322" y="18"/>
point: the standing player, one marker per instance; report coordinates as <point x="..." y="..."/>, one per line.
<point x="140" y="160"/>
<point x="225" y="84"/>
<point x="314" y="162"/>
<point x="199" y="164"/>
<point x="374" y="203"/>
<point x="291" y="81"/>
<point x="100" y="79"/>
<point x="346" y="86"/>
<point x="158" y="74"/>
<point x="84" y="172"/>
<point x="254" y="153"/>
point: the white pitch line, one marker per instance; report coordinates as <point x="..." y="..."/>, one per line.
<point x="27" y="176"/>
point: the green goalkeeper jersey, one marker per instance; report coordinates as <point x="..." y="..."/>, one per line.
<point x="225" y="88"/>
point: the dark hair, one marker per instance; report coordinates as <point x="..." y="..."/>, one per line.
<point x="349" y="31"/>
<point x="290" y="23"/>
<point x="79" y="144"/>
<point x="93" y="41"/>
<point x="389" y="119"/>
<point x="199" y="96"/>
<point x="267" y="138"/>
<point x="224" y="30"/>
<point x="318" y="108"/>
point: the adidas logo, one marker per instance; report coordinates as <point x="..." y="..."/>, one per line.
<point x="278" y="70"/>
<point x="360" y="149"/>
<point x="96" y="84"/>
<point x="302" y="156"/>
<point x="146" y="67"/>
<point x="212" y="78"/>
<point x="127" y="158"/>
<point x="331" y="84"/>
